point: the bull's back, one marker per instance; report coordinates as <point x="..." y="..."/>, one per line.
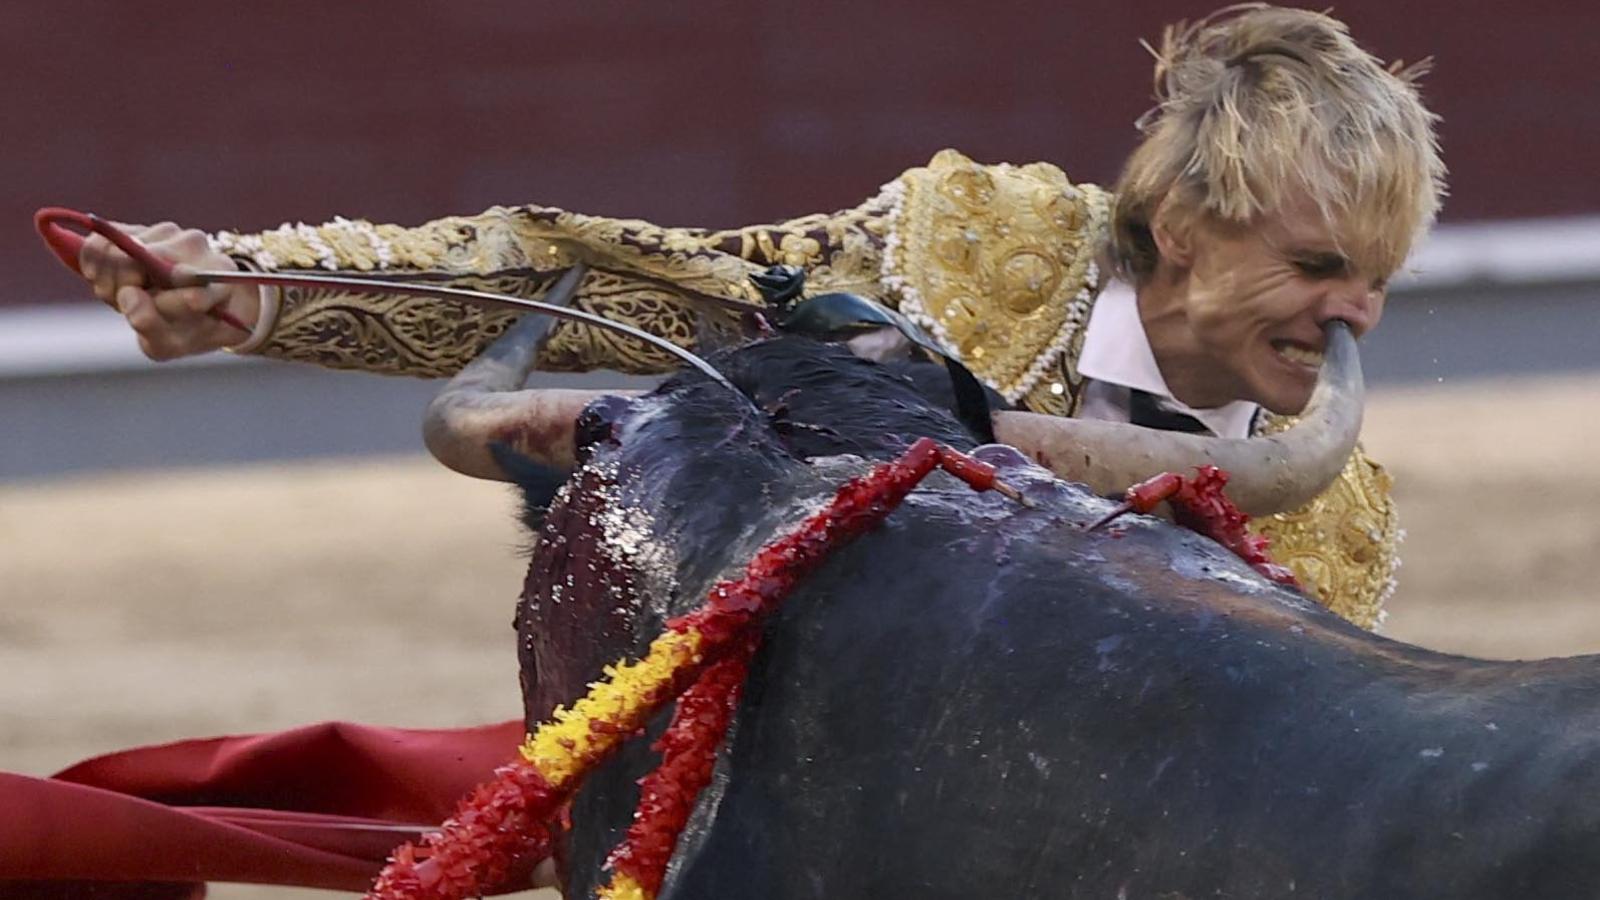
<point x="979" y="702"/>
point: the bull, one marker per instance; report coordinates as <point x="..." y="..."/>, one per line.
<point x="982" y="698"/>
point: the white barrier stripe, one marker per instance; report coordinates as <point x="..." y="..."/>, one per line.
<point x="77" y="338"/>
<point x="1518" y="251"/>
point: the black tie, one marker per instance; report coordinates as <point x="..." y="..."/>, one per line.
<point x="1146" y="409"/>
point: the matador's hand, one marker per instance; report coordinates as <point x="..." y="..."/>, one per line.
<point x="169" y="323"/>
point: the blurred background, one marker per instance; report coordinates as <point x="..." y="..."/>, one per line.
<point x="226" y="544"/>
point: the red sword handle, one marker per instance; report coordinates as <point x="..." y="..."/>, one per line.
<point x="53" y="223"/>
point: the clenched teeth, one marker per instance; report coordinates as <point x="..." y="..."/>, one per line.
<point x="1298" y="354"/>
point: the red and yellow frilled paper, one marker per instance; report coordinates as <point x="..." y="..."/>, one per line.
<point x="702" y="655"/>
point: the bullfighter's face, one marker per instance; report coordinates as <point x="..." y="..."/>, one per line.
<point x="1243" y="319"/>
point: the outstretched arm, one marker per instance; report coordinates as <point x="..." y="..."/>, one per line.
<point x="668" y="281"/>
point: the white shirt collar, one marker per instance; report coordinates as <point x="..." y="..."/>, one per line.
<point x="1116" y="351"/>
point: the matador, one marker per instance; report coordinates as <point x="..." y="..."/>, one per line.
<point x="1282" y="178"/>
<point x="999" y="262"/>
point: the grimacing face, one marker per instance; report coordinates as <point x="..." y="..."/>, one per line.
<point x="1257" y="298"/>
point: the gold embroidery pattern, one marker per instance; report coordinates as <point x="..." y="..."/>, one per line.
<point x="670" y="281"/>
<point x="680" y="257"/>
<point x="393" y="333"/>
<point x="575" y="347"/>
<point x="1342" y="545"/>
<point x="481" y="245"/>
<point x="997" y="262"/>
<point x="840" y="251"/>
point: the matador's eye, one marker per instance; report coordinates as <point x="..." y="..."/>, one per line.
<point x="1323" y="265"/>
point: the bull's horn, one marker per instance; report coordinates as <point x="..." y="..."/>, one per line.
<point x="484" y="404"/>
<point x="1267" y="474"/>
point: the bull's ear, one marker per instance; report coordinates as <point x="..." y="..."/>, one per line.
<point x="537" y="481"/>
<point x="780" y="287"/>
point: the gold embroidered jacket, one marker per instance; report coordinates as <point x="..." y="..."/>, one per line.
<point x="996" y="261"/>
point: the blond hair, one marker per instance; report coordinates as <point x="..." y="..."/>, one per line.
<point x="1260" y="105"/>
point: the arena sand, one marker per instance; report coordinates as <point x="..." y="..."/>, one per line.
<point x="146" y="607"/>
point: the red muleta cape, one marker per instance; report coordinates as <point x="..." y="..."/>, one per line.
<point x="319" y="806"/>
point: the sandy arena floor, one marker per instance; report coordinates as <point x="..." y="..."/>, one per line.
<point x="144" y="608"/>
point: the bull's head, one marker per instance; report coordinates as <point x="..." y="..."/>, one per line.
<point x="979" y="699"/>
